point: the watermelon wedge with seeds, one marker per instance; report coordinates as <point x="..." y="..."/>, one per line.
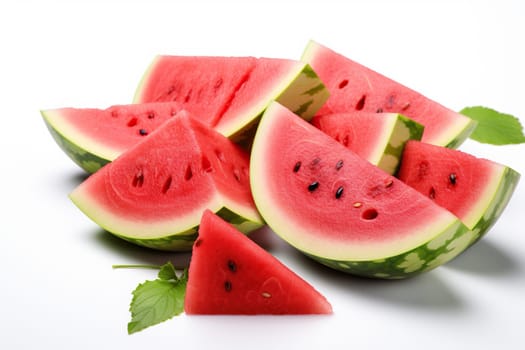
<point x="354" y="87"/>
<point x="154" y="193"/>
<point x="231" y="274"/>
<point x="474" y="189"/>
<point x="376" y="137"/>
<point x="230" y="93"/>
<point x="93" y="137"/>
<point x="341" y="210"/>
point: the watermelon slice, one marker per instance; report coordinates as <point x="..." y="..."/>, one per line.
<point x="474" y="189"/>
<point x="93" y="137"/>
<point x="231" y="274"/>
<point x="353" y="86"/>
<point x="376" y="137"/>
<point x="341" y="210"/>
<point x="154" y="193"/>
<point x="230" y="93"/>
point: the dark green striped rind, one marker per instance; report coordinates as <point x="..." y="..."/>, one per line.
<point x="441" y="249"/>
<point x="509" y="182"/>
<point x="405" y="129"/>
<point x="86" y="160"/>
<point x="183" y="241"/>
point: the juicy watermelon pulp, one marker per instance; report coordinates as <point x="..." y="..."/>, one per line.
<point x="93" y="137"/>
<point x="476" y="190"/>
<point x="341" y="210"/>
<point x="154" y="193"/>
<point x="231" y="274"/>
<point x="354" y="87"/>
<point x="376" y="137"/>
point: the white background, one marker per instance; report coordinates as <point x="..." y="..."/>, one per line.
<point x="57" y="287"/>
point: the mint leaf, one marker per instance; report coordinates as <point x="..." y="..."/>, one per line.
<point x="167" y="272"/>
<point x="159" y="300"/>
<point x="494" y="127"/>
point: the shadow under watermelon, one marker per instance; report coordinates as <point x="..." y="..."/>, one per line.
<point x="485" y="258"/>
<point x="426" y="292"/>
<point x="129" y="253"/>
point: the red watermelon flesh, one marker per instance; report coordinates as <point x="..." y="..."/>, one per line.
<point x="204" y="85"/>
<point x="253" y="94"/>
<point x="231" y="274"/>
<point x="376" y="137"/>
<point x="160" y="187"/>
<point x="354" y="87"/>
<point x="474" y="189"/>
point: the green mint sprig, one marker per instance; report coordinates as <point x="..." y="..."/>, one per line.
<point x="494" y="127"/>
<point x="157" y="300"/>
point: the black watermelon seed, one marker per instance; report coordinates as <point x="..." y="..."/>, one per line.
<point x="143" y="132"/>
<point x="313" y="186"/>
<point x="232" y="266"/>
<point x="296" y="167"/>
<point x="227" y="286"/>
<point x="339" y="165"/>
<point x="339" y="192"/>
<point x="452" y="178"/>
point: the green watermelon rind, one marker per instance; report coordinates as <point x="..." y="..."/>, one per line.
<point x="441" y="249"/>
<point x="495" y="207"/>
<point x="460" y="137"/>
<point x="404" y="129"/>
<point x="183" y="241"/>
<point x="301" y="91"/>
<point x="88" y="161"/>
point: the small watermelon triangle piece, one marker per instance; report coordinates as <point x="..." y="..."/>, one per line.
<point x="231" y="274"/>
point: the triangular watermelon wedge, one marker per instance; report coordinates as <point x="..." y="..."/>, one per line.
<point x="230" y="93"/>
<point x="476" y="190"/>
<point x="154" y="193"/>
<point x="231" y="274"/>
<point x="353" y="86"/>
<point x="93" y="137"/>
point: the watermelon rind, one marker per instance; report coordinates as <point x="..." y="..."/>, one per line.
<point x="429" y="244"/>
<point x="89" y="161"/>
<point x="441" y="249"/>
<point x="404" y="129"/>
